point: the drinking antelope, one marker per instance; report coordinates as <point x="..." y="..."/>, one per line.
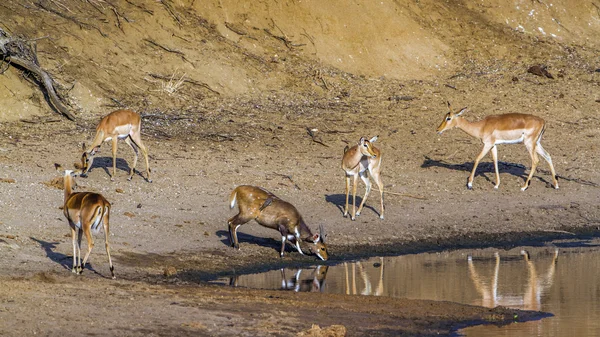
<point x="120" y="124"/>
<point x="270" y="211"/>
<point x="356" y="161"/>
<point x="509" y="128"/>
<point x="84" y="212"/>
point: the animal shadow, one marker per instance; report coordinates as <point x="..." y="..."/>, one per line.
<point x="105" y="163"/>
<point x="248" y="238"/>
<point x="339" y="200"/>
<point x="64" y="260"/>
<point x="483" y="168"/>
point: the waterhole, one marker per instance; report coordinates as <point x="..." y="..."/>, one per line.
<point x="561" y="278"/>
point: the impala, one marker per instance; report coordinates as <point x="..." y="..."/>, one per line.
<point x="271" y="212"/>
<point x="84" y="212"/>
<point x="356" y="161"/>
<point x="120" y="124"/>
<point x="509" y="128"/>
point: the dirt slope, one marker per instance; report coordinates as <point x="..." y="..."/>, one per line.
<point x="228" y="90"/>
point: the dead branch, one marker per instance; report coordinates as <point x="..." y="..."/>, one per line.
<point x="154" y="43"/>
<point x="288" y="177"/>
<point x="313" y="137"/>
<point x="235" y="28"/>
<point x="186" y="80"/>
<point x="288" y="43"/>
<point x="17" y="52"/>
<point x="171" y="11"/>
<point x="70" y="18"/>
<point x="140" y="7"/>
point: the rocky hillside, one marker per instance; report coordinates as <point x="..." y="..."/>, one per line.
<point x="185" y="55"/>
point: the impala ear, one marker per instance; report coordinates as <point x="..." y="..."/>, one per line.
<point x="361" y="141"/>
<point x="461" y="111"/>
<point x="316" y="238"/>
<point x="83" y="147"/>
<point x="373" y="139"/>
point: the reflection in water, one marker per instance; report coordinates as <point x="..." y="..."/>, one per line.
<point x="563" y="282"/>
<point x="530" y="300"/>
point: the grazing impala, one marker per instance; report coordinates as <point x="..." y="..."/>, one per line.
<point x="356" y="161"/>
<point x="509" y="128"/>
<point x="84" y="212"/>
<point x="270" y="211"/>
<point x="120" y="124"/>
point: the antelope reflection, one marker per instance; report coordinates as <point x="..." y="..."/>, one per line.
<point x="368" y="289"/>
<point x="315" y="283"/>
<point x="537" y="284"/>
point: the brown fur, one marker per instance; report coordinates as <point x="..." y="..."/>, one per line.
<point x="268" y="210"/>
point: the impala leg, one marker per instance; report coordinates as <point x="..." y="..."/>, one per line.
<point x="114" y="157"/>
<point x="365" y="178"/>
<point x="534" y="162"/>
<point x="495" y="157"/>
<point x="105" y="219"/>
<point x="135" y="158"/>
<point x="297" y="235"/>
<point x="354" y="183"/>
<point x="376" y="174"/>
<point x="347" y="195"/>
<point x="138" y="141"/>
<point x="74" y="237"/>
<point x="79" y="268"/>
<point x="486" y="148"/>
<point x="90" y="242"/>
<point x="234" y="223"/>
<point x="540" y="149"/>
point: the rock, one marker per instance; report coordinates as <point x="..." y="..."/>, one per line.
<point x="170" y="271"/>
<point x="540" y="70"/>
<point x="331" y="331"/>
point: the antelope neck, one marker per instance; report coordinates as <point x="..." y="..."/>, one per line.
<point x="471" y="128"/>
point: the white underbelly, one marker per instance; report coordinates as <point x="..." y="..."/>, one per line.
<point x="510" y="141"/>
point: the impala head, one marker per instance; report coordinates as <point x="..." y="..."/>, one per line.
<point x="449" y="121"/>
<point x="87" y="158"/>
<point x="317" y="244"/>
<point x="366" y="148"/>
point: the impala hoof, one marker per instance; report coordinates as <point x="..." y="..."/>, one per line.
<point x="381" y="217"/>
<point x="353" y="218"/>
<point x="523" y="188"/>
<point x="469" y="185"/>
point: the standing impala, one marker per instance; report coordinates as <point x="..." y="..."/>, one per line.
<point x="84" y="212"/>
<point x="270" y="211"/>
<point x="356" y="161"/>
<point x="120" y="124"/>
<point x="509" y="128"/>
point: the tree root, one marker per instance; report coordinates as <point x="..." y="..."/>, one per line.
<point x="17" y="53"/>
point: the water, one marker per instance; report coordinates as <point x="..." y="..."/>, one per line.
<point x="562" y="279"/>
